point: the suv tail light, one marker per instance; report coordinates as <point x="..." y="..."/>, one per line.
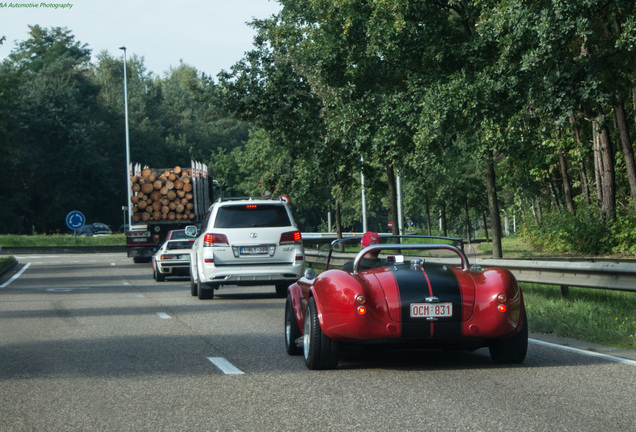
<point x="212" y="239"/>
<point x="292" y="237"/>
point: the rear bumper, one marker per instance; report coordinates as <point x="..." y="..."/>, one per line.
<point x="254" y="276"/>
<point x="141" y="252"/>
<point x="182" y="269"/>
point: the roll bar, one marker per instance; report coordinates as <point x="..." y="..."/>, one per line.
<point x="400" y="246"/>
<point x="379" y="247"/>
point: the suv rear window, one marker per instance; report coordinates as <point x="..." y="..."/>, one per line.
<point x="252" y="215"/>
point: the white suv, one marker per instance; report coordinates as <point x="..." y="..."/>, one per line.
<point x="246" y="241"/>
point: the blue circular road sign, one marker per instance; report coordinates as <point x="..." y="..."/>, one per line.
<point x="75" y="220"/>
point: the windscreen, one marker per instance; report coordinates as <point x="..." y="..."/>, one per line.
<point x="252" y="215"/>
<point x="178" y="235"/>
<point x="180" y="244"/>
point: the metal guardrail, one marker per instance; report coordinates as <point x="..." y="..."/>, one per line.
<point x="605" y="275"/>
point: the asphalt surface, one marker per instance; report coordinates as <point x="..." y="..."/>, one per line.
<point x="91" y="342"/>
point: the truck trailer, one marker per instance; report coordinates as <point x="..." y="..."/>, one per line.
<point x="161" y="200"/>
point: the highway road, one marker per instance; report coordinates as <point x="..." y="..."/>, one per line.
<point x="91" y="342"/>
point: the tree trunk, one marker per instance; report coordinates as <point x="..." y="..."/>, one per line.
<point x="598" y="164"/>
<point x="428" y="214"/>
<point x="634" y="102"/>
<point x="493" y="204"/>
<point x="567" y="186"/>
<point x="608" y="176"/>
<point x="628" y="151"/>
<point x="486" y="226"/>
<point x="585" y="189"/>
<point x="390" y="173"/>
<point x="467" y="218"/>
<point x="443" y="218"/>
<point x="341" y="246"/>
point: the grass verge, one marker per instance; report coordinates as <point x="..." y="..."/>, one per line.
<point x="598" y="316"/>
<point x="61" y="240"/>
<point x="5" y="262"/>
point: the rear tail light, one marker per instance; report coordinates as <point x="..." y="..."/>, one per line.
<point x="292" y="237"/>
<point x="212" y="239"/>
<point x="502" y="298"/>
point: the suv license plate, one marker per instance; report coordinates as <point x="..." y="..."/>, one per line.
<point x="431" y="310"/>
<point x="254" y="250"/>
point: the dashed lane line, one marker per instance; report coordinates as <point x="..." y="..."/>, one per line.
<point x="226" y="367"/>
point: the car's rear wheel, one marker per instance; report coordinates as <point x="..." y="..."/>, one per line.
<point x="320" y="351"/>
<point x="193" y="286"/>
<point x="159" y="277"/>
<point x="511" y="350"/>
<point x="292" y="331"/>
<point x="204" y="291"/>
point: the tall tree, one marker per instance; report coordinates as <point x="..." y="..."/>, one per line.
<point x="56" y="125"/>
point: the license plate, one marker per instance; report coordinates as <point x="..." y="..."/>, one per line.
<point x="257" y="250"/>
<point x="431" y="310"/>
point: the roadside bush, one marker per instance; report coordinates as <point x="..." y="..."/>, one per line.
<point x="583" y="233"/>
<point x="624" y="233"/>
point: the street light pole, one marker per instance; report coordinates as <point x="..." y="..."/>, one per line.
<point x="128" y="173"/>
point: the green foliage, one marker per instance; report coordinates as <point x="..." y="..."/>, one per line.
<point x="623" y="231"/>
<point x="440" y="91"/>
<point x="62" y="129"/>
<point x="37" y="240"/>
<point x="582" y="233"/>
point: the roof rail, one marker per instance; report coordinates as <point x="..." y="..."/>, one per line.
<point x="270" y="198"/>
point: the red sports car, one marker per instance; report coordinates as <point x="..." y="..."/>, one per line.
<point x="411" y="304"/>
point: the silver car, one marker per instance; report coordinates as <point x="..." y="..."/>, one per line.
<point x="246" y="242"/>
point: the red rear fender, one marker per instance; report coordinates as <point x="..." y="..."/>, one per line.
<point x="488" y="319"/>
<point x="338" y="309"/>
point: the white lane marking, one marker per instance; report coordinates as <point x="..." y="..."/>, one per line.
<point x="163" y="315"/>
<point x="15" y="276"/>
<point x="226" y="367"/>
<point x="585" y="352"/>
<point x="140" y="296"/>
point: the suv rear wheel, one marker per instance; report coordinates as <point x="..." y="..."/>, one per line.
<point x="204" y="291"/>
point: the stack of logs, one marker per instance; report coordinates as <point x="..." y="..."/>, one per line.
<point x="162" y="195"/>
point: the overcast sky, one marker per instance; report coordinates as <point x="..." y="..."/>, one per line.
<point x="210" y="35"/>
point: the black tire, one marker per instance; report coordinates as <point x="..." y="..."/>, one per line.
<point x="320" y="351"/>
<point x="292" y="331"/>
<point x="281" y="289"/>
<point x="512" y="350"/>
<point x="193" y="286"/>
<point x="204" y="291"/>
<point x="159" y="277"/>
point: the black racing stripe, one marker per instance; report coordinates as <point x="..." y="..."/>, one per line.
<point x="413" y="286"/>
